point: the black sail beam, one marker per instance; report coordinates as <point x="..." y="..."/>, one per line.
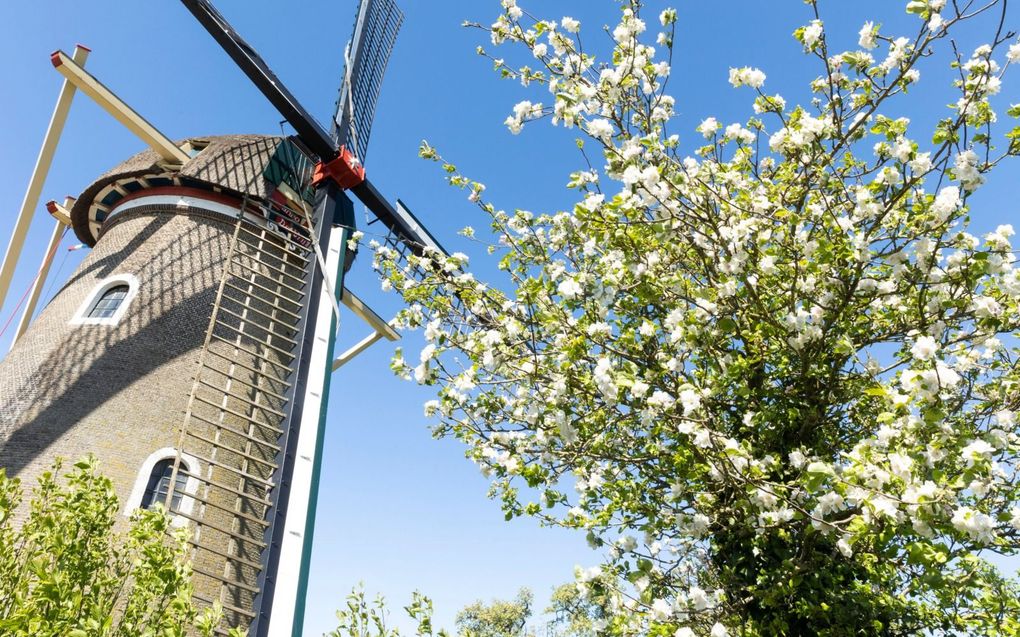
<point x="314" y="137"/>
<point x="398" y="220"/>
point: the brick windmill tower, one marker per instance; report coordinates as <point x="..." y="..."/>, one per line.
<point x="192" y="349"/>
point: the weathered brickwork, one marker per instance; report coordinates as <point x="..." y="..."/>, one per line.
<point x="117" y="391"/>
<point x="121" y="391"/>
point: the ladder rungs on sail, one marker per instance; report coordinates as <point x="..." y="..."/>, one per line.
<point x="262" y="482"/>
<point x="225" y="487"/>
<point x="249" y="272"/>
<point x="238" y="432"/>
<point x="248" y="307"/>
<point x="274" y="270"/>
<point x="239" y="381"/>
<point x="249" y="418"/>
<point x="300" y="253"/>
<point x="241" y="332"/>
<point x="239" y="407"/>
<point x="273" y="298"/>
<point x="243" y="516"/>
<point x="234" y="361"/>
<point x="248" y="321"/>
<point x="248" y="351"/>
<point x="225" y="579"/>
<point x="234" y="451"/>
<point x="233" y="534"/>
<point x="233" y="609"/>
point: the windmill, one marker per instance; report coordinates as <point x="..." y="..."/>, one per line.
<point x="340" y="155"/>
<point x="238" y="247"/>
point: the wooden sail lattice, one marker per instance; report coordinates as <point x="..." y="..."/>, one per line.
<point x="234" y="436"/>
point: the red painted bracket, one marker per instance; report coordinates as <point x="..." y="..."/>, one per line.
<point x="345" y="170"/>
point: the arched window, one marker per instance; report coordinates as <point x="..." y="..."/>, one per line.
<point x="108" y="301"/>
<point x="153" y="483"/>
<point x="108" y="304"/>
<point x="159" y="484"/>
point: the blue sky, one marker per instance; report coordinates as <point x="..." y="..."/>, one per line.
<point x="397" y="509"/>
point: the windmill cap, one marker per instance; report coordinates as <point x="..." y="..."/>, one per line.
<point x="232" y="164"/>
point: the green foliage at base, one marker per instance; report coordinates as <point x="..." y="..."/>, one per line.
<point x="67" y="571"/>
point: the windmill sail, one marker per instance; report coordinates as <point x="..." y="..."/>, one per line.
<point x="375" y="32"/>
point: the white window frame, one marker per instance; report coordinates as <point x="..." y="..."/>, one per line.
<point x="81" y="317"/>
<point x="190" y="464"/>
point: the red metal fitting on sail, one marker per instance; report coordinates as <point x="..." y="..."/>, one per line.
<point x="345" y="170"/>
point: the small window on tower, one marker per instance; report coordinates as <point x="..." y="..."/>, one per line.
<point x="159" y="485"/>
<point x="109" y="302"/>
<point x="153" y="484"/>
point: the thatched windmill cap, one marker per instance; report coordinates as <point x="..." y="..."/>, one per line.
<point x="233" y="166"/>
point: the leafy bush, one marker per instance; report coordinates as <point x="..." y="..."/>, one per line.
<point x="68" y="572"/>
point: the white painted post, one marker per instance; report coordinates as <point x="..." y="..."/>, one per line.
<point x="35" y="183"/>
<point x="296" y="542"/>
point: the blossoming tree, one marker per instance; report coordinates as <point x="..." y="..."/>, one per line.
<point x="770" y="373"/>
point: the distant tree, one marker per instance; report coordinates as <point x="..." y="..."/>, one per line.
<point x="66" y="572"/>
<point x="576" y="611"/>
<point x="497" y="619"/>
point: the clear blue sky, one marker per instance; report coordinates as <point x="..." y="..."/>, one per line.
<point x="397" y="509"/>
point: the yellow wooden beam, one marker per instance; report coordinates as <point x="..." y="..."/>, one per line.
<point x="113" y="105"/>
<point x="35" y="183"/>
<point x="61" y="213"/>
<point x="356" y="349"/>
<point x="366" y="314"/>
<point x="381" y="327"/>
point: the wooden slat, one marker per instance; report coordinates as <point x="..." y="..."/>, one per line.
<point x="240" y="537"/>
<point x="276" y="296"/>
<point x="250" y="321"/>
<point x="225" y="580"/>
<point x="233" y="609"/>
<point x="255" y="354"/>
<point x="248" y="307"/>
<point x="246" y="417"/>
<point x="238" y="432"/>
<point x="277" y="237"/>
<point x="240" y="381"/>
<point x="225" y="487"/>
<point x="238" y="330"/>
<point x="250" y="518"/>
<point x="221" y="447"/>
<point x="272" y="268"/>
<point x="244" y="272"/>
<point x="271" y="379"/>
<point x="228" y="467"/>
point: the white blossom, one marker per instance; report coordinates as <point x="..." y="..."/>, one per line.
<point x="708" y="127"/>
<point x="925" y="348"/>
<point x="867" y="36"/>
<point x="747" y="76"/>
<point x="979" y="526"/>
<point x="812" y="33"/>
